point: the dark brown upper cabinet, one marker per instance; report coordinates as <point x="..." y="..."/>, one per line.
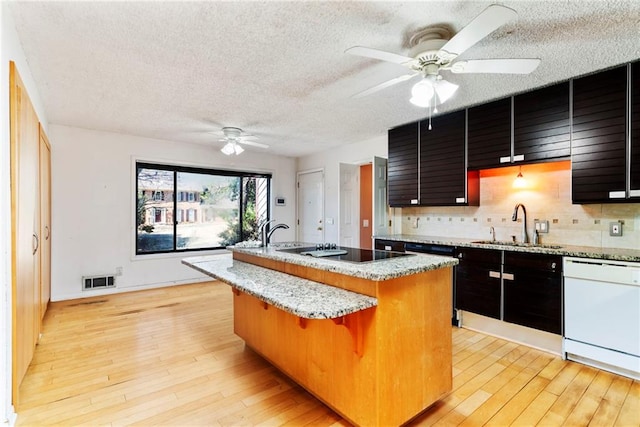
<point x="541" y="126"/>
<point x="489" y="135"/>
<point x="599" y="137"/>
<point x="634" y="173"/>
<point x="443" y="170"/>
<point x="529" y="128"/>
<point x="402" y="179"/>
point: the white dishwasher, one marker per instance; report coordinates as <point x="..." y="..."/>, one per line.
<point x="602" y="314"/>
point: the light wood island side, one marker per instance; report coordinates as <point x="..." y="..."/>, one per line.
<point x="381" y="365"/>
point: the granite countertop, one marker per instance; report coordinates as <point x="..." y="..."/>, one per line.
<point x="632" y="255"/>
<point x="378" y="270"/>
<point x="301" y="297"/>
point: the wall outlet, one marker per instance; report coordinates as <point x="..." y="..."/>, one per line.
<point x="615" y="228"/>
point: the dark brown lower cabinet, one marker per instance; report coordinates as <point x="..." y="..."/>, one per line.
<point x="533" y="290"/>
<point x="389" y="245"/>
<point x="478" y="281"/>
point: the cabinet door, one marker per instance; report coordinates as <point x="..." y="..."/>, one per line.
<point x="598" y="148"/>
<point x="635" y="131"/>
<point x="477" y="284"/>
<point x="389" y="245"/>
<point x="541" y="128"/>
<point x="45" y="223"/>
<point x="532" y="291"/>
<point x="443" y="171"/>
<point x="25" y="240"/>
<point x="489" y="134"/>
<point x="402" y="178"/>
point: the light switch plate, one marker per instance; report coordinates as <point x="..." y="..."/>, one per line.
<point x="541" y="226"/>
<point x="615" y="228"/>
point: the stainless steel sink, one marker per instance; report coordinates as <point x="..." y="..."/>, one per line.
<point x="516" y="244"/>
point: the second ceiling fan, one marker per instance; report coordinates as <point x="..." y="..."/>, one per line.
<point x="433" y="50"/>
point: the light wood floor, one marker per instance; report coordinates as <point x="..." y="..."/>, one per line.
<point x="169" y="357"/>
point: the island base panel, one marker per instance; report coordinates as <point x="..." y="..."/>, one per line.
<point x="379" y="366"/>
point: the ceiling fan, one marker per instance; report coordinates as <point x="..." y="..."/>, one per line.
<point x="434" y="50"/>
<point x="234" y="137"/>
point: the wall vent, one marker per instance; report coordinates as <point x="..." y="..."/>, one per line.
<point x="98" y="282"/>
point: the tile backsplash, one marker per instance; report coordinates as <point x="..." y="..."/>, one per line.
<point x="546" y="196"/>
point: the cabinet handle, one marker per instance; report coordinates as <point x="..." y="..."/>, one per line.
<point x="617" y="194"/>
<point x="387" y="248"/>
<point x="46" y="228"/>
<point x="508" y="276"/>
<point x="494" y="274"/>
<point x="460" y="200"/>
<point x="505" y="159"/>
<point x="460" y="255"/>
<point x="37" y="243"/>
<point x="634" y="193"/>
<point x="414" y="201"/>
<point x="518" y="158"/>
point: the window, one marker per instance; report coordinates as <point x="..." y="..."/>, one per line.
<point x="181" y="208"/>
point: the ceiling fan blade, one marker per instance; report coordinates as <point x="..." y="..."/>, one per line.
<point x="384" y="85"/>
<point x="252" y="143"/>
<point x="482" y="25"/>
<point x="368" y="52"/>
<point x="496" y="66"/>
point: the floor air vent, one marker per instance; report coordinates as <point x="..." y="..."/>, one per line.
<point x="98" y="282"/>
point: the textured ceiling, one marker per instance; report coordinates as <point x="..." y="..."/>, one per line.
<point x="181" y="70"/>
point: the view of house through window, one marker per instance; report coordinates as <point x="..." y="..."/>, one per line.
<point x="181" y="208"/>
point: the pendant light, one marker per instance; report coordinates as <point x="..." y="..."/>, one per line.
<point x="520" y="182"/>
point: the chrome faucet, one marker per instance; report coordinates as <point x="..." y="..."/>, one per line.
<point x="263" y="231"/>
<point x="514" y="217"/>
<point x="275" y="227"/>
<point x="492" y="231"/>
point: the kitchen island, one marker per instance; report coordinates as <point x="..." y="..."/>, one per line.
<point x="372" y="340"/>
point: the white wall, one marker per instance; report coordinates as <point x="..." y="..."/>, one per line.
<point x="93" y="221"/>
<point x="356" y="153"/>
<point x="10" y="50"/>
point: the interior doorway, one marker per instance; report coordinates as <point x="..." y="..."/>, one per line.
<point x="310" y="206"/>
<point x="364" y="211"/>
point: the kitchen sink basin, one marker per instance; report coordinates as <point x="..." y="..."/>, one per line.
<point x="516" y="244"/>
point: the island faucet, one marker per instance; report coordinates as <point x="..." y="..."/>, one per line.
<point x="492" y="231"/>
<point x="263" y="231"/>
<point x="514" y="217"/>
<point x="275" y="227"/>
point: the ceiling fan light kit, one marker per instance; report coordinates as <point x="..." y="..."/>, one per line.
<point x="434" y="50"/>
<point x="233" y="137"/>
<point x="231" y="148"/>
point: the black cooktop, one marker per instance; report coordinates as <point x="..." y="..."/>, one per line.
<point x="351" y="255"/>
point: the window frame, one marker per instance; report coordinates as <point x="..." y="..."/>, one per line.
<point x="175" y="169"/>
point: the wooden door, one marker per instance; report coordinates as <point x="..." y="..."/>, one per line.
<point x="366" y="206"/>
<point x="45" y="222"/>
<point x="25" y="237"/>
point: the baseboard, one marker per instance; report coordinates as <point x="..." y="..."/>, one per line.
<point x="119" y="290"/>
